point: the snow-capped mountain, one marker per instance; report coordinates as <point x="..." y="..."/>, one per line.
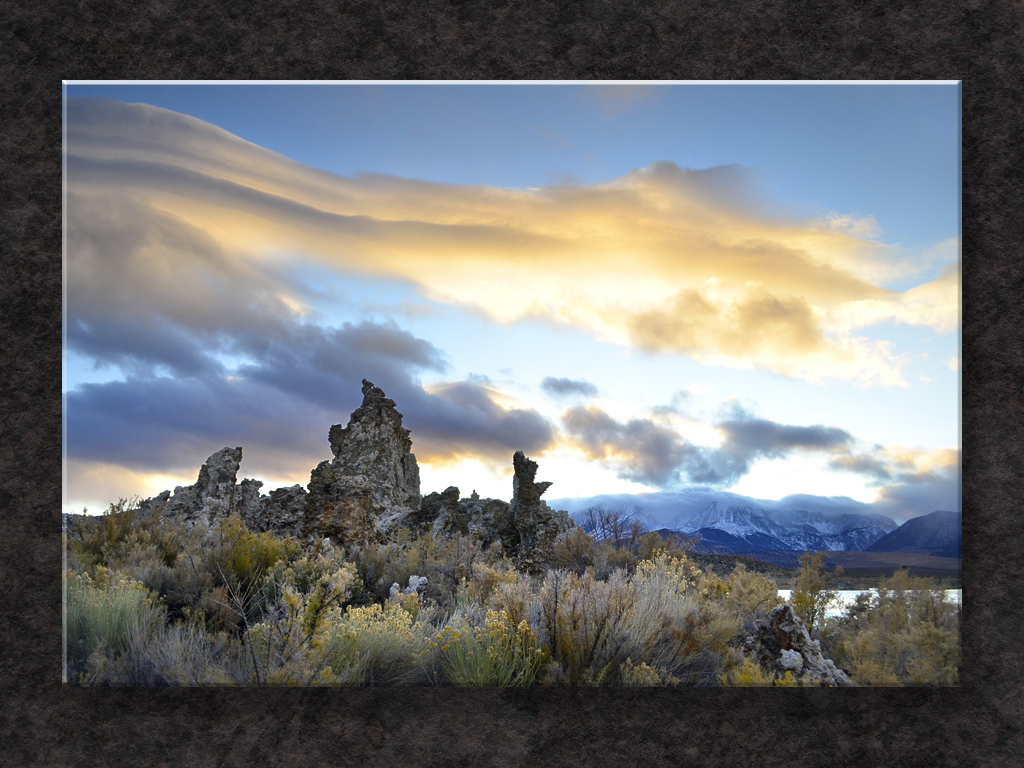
<point x="840" y="532"/>
<point x="725" y="528"/>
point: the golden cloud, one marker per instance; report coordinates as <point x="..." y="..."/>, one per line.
<point x="664" y="259"/>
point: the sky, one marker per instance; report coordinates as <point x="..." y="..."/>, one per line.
<point x="660" y="292"/>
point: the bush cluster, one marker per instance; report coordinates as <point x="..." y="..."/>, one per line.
<point x="155" y="602"/>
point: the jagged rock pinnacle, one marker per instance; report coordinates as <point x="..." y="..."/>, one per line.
<point x="373" y="482"/>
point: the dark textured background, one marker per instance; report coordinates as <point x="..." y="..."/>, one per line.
<point x="41" y="723"/>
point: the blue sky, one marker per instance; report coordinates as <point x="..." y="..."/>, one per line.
<point x="649" y="288"/>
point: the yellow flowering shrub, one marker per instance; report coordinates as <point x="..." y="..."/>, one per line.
<point x="498" y="654"/>
<point x="750" y="594"/>
<point x="294" y="643"/>
<point x="483" y="581"/>
<point x="380" y="644"/>
<point x="645" y="676"/>
<point x="748" y="674"/>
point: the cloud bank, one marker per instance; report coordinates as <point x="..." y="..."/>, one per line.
<point x="655" y="450"/>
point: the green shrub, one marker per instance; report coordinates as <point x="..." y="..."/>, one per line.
<point x="242" y="557"/>
<point x="445" y="563"/>
<point x="583" y="626"/>
<point x="92" y="540"/>
<point x="102" y="614"/>
<point x="478" y="590"/>
<point x="185" y="654"/>
<point x="575" y="550"/>
<point x="645" y="676"/>
<point x="679" y="622"/>
<point x="515" y="597"/>
<point x="906" y="635"/>
<point x="751" y="595"/>
<point x="813" y="591"/>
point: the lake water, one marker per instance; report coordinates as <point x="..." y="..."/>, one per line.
<point x="847" y="596"/>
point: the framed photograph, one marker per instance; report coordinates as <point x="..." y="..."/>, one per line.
<point x="512" y="384"/>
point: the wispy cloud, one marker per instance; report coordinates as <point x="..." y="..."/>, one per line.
<point x="617" y="99"/>
<point x="665" y="259"/>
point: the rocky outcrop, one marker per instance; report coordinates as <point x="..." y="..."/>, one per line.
<point x="216" y="495"/>
<point x="372" y="485"/>
<point x="282" y="511"/>
<point x="213" y="496"/>
<point x="370" y="488"/>
<point x="526" y="527"/>
<point x="534" y="525"/>
<point x="445" y="514"/>
<point x="781" y="643"/>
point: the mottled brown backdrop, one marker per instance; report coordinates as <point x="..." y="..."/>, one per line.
<point x="41" y="723"/>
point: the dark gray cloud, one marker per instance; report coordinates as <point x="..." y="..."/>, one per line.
<point x="861" y="463"/>
<point x="750" y="436"/>
<point x="651" y="452"/>
<point x="642" y="450"/>
<point x="461" y="418"/>
<point x="315" y="363"/>
<point x="568" y="387"/>
<point x="940" y="490"/>
<point x="163" y="424"/>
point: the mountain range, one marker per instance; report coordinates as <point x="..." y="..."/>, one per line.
<point x="728" y="523"/>
<point x="724" y="528"/>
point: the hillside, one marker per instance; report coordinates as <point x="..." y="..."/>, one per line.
<point x="939" y="533"/>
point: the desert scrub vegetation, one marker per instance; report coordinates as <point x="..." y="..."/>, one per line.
<point x="904" y="634"/>
<point x="155" y="602"/>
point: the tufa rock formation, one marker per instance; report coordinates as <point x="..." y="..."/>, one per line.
<point x="282" y="512"/>
<point x="216" y="495"/>
<point x="781" y="643"/>
<point x="369" y="489"/>
<point x="444" y="514"/>
<point x="372" y="485"/>
<point x="535" y="526"/>
<point x="213" y="496"/>
<point x="526" y="528"/>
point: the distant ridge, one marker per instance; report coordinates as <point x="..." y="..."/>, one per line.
<point x="940" y="532"/>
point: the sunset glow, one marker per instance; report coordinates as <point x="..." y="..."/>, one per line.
<point x="746" y="288"/>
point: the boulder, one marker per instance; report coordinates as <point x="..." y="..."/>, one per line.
<point x="781" y="643"/>
<point x="416" y="583"/>
<point x="372" y="485"/>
